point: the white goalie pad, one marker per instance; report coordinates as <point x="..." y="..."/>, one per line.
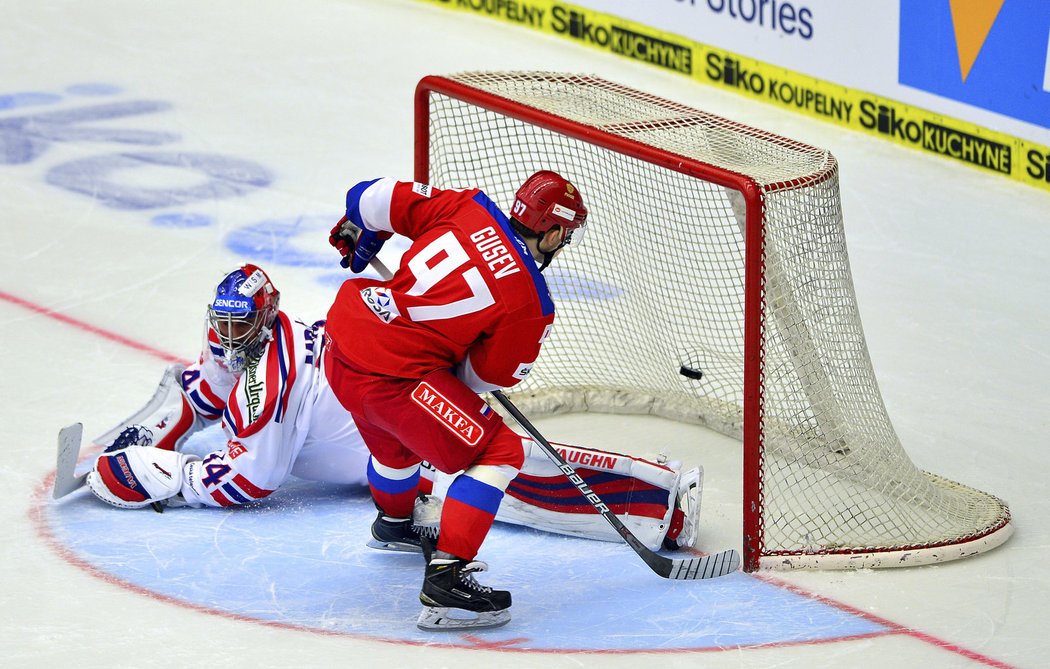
<point x="659" y="504"/>
<point x="167" y="415"/>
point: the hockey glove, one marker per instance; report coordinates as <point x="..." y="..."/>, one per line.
<point x="357" y="246"/>
<point x="137" y="476"/>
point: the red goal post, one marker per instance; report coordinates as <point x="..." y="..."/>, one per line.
<point x="713" y="288"/>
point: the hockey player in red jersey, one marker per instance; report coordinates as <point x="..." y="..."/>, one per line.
<point x="466" y="312"/>
<point x="261" y="374"/>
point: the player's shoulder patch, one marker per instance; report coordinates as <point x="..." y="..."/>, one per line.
<point x="426" y="190"/>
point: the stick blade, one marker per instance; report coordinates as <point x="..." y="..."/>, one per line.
<point x="708" y="566"/>
<point x="69" y="439"/>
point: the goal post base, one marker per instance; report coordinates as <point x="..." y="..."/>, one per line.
<point x="714" y="288"/>
<point x="910" y="557"/>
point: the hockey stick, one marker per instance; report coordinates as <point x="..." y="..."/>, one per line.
<point x="66" y="481"/>
<point x="684" y="569"/>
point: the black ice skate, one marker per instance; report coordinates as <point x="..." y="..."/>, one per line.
<point x="454" y="600"/>
<point x="397" y="534"/>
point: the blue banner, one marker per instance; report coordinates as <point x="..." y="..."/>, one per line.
<point x="995" y="60"/>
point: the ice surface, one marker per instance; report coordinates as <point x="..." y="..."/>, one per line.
<point x="147" y="147"/>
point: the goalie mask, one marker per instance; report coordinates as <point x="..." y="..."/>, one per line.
<point x="242" y="314"/>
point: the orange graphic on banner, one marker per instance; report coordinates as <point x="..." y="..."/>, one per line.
<point x="973" y="21"/>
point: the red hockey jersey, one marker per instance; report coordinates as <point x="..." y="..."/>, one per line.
<point x="468" y="294"/>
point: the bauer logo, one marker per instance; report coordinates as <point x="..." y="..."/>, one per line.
<point x="622" y="41"/>
<point x="451" y="416"/>
<point x="993" y="54"/>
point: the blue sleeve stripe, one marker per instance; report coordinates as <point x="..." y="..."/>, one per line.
<point x="206" y="407"/>
<point x="473" y="492"/>
<point x="391" y="486"/>
<point x="353" y="202"/>
<point x="282" y="355"/>
<point x="234" y="494"/>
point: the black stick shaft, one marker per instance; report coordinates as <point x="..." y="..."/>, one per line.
<point x="688" y="569"/>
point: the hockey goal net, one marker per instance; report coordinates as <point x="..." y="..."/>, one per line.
<point x="713" y="287"/>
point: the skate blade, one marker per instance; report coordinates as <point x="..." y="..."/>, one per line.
<point x="396" y="546"/>
<point x="444" y="619"/>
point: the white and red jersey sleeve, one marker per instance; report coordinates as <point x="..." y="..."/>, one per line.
<point x="260" y="417"/>
<point x="207" y="383"/>
<point x="467" y="295"/>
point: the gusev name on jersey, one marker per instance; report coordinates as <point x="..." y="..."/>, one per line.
<point x="469" y="273"/>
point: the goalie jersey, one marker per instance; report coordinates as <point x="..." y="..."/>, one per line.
<point x="279" y="416"/>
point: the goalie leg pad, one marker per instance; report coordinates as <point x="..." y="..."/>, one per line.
<point x="137" y="476"/>
<point x="168" y="415"/>
<point x="641" y="493"/>
<point x="685" y="519"/>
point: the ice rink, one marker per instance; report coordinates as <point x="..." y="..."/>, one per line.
<point x="110" y="251"/>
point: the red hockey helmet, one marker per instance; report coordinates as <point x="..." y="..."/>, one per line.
<point x="547" y="199"/>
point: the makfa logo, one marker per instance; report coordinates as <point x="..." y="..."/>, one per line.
<point x="451" y="416"/>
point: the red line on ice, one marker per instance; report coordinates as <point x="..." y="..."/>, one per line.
<point x="38" y="517"/>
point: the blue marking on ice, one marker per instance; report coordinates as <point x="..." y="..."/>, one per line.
<point x="27" y="99"/>
<point x="298" y="558"/>
<point x="182" y="220"/>
<point x="94" y="89"/>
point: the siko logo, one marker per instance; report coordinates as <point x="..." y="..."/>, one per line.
<point x="1039" y="165"/>
<point x="734" y="74"/>
<point x="992" y="54"/>
<point x="936" y="137"/>
<point x="622" y="41"/>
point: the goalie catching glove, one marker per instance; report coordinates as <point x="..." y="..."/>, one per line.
<point x="132" y="475"/>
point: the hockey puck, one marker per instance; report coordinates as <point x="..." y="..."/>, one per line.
<point x="691" y="373"/>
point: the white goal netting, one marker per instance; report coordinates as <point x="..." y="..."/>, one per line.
<point x="713" y="287"/>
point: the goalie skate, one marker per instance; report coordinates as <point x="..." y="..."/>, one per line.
<point x="453" y="599"/>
